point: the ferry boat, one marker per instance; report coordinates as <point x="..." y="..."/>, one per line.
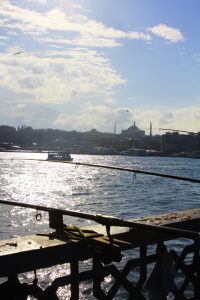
<point x="59" y="156"/>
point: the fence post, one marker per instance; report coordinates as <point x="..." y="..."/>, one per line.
<point x="196" y="263"/>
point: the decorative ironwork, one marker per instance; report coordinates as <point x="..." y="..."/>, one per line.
<point x="188" y="274"/>
<point x="105" y="254"/>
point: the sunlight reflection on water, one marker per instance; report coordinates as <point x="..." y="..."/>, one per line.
<point x="90" y="190"/>
<point x="96" y="189"/>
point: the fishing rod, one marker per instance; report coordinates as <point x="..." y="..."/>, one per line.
<point x="188" y="179"/>
<point x="137" y="171"/>
<point x="194" y="180"/>
<point x="108" y="221"/>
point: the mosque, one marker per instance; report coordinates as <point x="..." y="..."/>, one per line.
<point x="133" y="131"/>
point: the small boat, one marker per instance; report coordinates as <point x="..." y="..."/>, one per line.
<point x="61" y="155"/>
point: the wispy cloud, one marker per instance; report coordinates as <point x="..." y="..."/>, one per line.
<point x="56" y="23"/>
<point x="83" y="41"/>
<point x="4" y="38"/>
<point x="170" y="34"/>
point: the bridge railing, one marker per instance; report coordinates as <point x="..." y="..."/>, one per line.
<point x="115" y="270"/>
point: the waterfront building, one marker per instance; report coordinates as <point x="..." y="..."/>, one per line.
<point x="176" y="143"/>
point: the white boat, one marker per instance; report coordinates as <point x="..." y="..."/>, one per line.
<point x="61" y="155"/>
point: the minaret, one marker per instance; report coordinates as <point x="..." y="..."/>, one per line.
<point x="150" y="129"/>
<point x="115" y="128"/>
<point x="150" y="137"/>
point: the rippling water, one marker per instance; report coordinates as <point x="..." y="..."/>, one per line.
<point x="90" y="190"/>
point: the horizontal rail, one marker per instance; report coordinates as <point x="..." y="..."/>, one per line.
<point x="110" y="221"/>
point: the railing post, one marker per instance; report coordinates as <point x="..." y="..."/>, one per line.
<point x="97" y="278"/>
<point x="74" y="267"/>
<point x="143" y="267"/>
<point x="55" y="219"/>
<point x="196" y="263"/>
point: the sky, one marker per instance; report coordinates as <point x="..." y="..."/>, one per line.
<point x="84" y="64"/>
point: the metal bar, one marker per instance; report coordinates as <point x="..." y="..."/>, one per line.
<point x="110" y="221"/>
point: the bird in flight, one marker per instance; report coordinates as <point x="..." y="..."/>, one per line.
<point x="17" y="53"/>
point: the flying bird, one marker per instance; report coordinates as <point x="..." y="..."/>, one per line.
<point x="17" y="53"/>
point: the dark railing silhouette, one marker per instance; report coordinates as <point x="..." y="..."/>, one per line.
<point x="105" y="253"/>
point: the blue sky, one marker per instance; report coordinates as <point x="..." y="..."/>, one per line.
<point x="90" y="63"/>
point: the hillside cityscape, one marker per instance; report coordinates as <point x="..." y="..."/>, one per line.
<point x="131" y="141"/>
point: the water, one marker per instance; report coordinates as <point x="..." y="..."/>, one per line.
<point x="90" y="190"/>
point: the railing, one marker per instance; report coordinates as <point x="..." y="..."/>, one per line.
<point x="129" y="275"/>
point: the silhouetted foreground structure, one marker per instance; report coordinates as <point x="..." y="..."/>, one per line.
<point x="105" y="251"/>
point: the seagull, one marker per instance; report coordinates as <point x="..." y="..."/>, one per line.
<point x="17" y="53"/>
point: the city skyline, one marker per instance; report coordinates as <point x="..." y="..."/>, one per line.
<point x="78" y="65"/>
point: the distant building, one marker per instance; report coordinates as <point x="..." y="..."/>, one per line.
<point x="176" y="143"/>
<point x="134" y="132"/>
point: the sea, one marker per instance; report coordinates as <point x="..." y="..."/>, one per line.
<point x="30" y="178"/>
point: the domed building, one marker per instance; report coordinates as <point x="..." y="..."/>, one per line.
<point x="133" y="131"/>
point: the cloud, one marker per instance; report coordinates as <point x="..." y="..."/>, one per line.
<point x="43" y="2"/>
<point x="178" y="118"/>
<point x="103" y="117"/>
<point x="4" y="38"/>
<point x="36" y="116"/>
<point x="89" y="116"/>
<point x="74" y="72"/>
<point x="79" y="41"/>
<point x="170" y="34"/>
<point x="100" y="116"/>
<point x="60" y="27"/>
<point x="59" y="77"/>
